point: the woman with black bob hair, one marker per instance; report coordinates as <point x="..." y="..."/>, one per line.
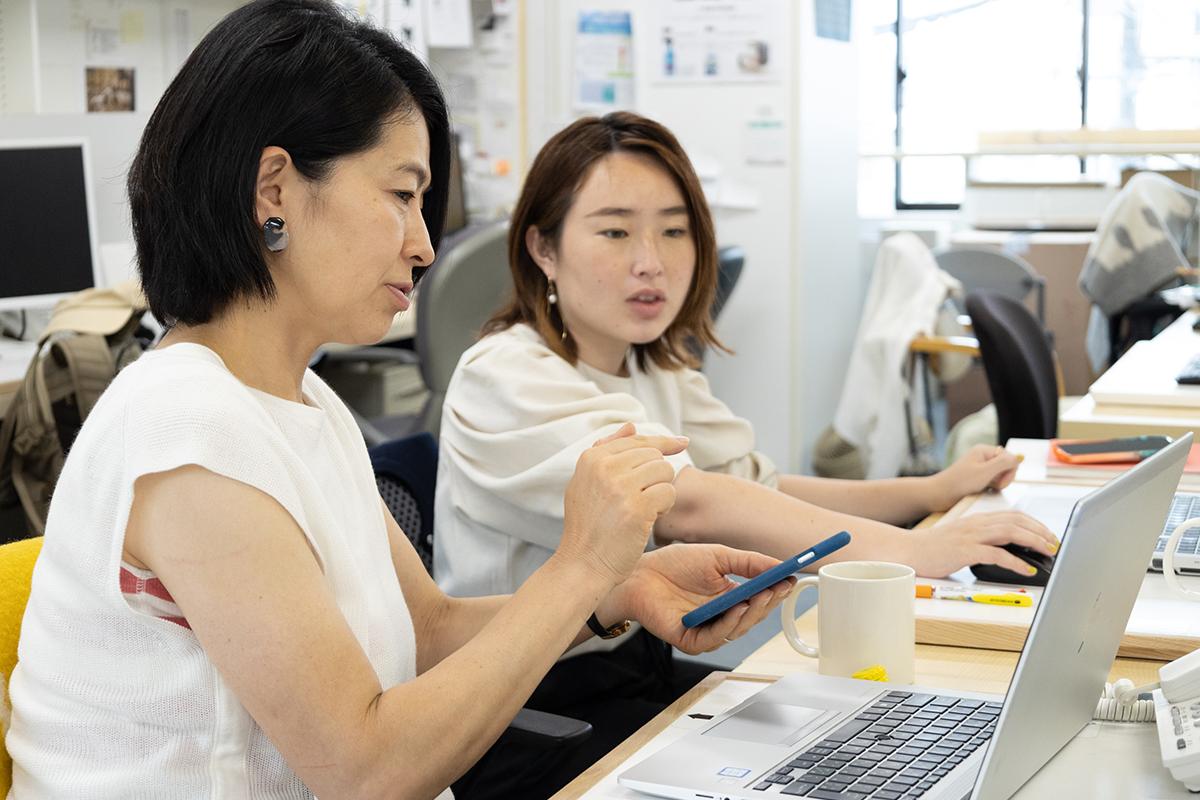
<point x="222" y="606"/>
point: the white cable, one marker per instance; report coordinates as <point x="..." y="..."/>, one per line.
<point x="1119" y="703"/>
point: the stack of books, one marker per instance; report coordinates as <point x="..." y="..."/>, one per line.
<point x="1103" y="472"/>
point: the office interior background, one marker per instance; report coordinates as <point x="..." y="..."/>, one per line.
<point x="801" y="163"/>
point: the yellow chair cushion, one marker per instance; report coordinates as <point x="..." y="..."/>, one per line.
<point x="16" y="573"/>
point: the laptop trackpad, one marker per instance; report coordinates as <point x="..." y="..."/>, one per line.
<point x="771" y="723"/>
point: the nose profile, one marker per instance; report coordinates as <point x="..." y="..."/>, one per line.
<point x="418" y="249"/>
<point x="646" y="259"/>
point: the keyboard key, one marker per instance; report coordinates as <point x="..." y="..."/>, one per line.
<point x="797" y="789"/>
<point x="848" y="731"/>
<point x="822" y="794"/>
<point x="886" y="795"/>
<point x="919" y="699"/>
<point x="763" y="786"/>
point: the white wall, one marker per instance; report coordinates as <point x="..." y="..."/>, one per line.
<point x="52" y="63"/>
<point x="831" y="283"/>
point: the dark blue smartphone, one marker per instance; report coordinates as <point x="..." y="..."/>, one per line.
<point x="769" y="578"/>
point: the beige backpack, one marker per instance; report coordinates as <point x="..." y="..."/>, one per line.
<point x="89" y="339"/>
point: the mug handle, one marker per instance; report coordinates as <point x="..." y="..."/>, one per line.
<point x="787" y="609"/>
<point x="1168" y="562"/>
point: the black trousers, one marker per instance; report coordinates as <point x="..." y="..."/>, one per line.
<point x="617" y="691"/>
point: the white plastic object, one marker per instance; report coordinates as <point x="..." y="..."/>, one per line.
<point x="1169" y="560"/>
<point x="1181" y="678"/>
<point x="1120" y="703"/>
<point x="1179" y="738"/>
<point x="787" y="610"/>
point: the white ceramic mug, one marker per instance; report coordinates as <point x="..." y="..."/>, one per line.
<point x="1169" y="560"/>
<point x="867" y="618"/>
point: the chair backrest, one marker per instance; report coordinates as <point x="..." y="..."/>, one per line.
<point x="980" y="268"/>
<point x="1019" y="364"/>
<point x="468" y="283"/>
<point x="16" y="574"/>
<point x="731" y="261"/>
<point x="406" y="476"/>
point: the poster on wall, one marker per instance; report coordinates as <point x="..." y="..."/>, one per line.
<point x="109" y="89"/>
<point x="709" y="42"/>
<point x="603" y="61"/>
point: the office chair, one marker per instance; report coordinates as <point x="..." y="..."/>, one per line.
<point x="406" y="475"/>
<point x="16" y="575"/>
<point x="1019" y="363"/>
<point x="731" y="259"/>
<point x="468" y="283"/>
<point x="981" y="268"/>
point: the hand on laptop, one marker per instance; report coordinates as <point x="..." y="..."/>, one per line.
<point x="977" y="539"/>
<point x="671" y="581"/>
<point x="983" y="467"/>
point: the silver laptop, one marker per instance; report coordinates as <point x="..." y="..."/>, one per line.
<point x="841" y="739"/>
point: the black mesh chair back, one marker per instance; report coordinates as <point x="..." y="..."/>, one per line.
<point x="406" y="475"/>
<point x="1019" y="364"/>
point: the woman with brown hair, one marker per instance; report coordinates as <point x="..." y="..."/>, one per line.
<point x="614" y="261"/>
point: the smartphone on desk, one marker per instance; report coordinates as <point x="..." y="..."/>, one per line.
<point x="1108" y="451"/>
<point x="767" y="579"/>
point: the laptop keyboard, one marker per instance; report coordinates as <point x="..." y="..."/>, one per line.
<point x="898" y="747"/>
<point x="1183" y="506"/>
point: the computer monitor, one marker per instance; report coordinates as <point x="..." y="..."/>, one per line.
<point x="48" y="243"/>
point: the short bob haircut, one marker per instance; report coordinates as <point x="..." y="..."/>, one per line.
<point x="298" y="74"/>
<point x="557" y="175"/>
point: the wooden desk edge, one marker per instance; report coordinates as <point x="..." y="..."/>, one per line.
<point x="592" y="775"/>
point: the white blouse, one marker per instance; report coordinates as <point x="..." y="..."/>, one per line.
<point x="516" y="418"/>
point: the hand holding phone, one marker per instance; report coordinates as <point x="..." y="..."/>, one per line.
<point x="767" y="579"/>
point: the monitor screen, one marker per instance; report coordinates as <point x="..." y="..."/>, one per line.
<point x="47" y="238"/>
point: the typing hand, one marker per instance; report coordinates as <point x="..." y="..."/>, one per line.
<point x="671" y="581"/>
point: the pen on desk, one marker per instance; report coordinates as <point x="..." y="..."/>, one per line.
<point x="1018" y="598"/>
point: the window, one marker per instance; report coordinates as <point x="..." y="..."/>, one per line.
<point x="958" y="67"/>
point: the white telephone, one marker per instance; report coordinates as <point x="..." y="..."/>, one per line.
<point x="1174" y="708"/>
<point x="1177" y="701"/>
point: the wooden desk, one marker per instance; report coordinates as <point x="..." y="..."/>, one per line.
<point x="938" y="666"/>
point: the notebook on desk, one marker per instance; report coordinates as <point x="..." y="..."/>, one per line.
<point x="840" y="739"/>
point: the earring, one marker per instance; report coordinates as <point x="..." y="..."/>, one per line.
<point x="552" y="300"/>
<point x="274" y="235"/>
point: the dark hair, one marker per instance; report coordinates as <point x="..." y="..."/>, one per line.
<point x="297" y="74"/>
<point x="557" y="175"/>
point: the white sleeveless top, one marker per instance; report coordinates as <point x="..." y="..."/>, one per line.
<point x="113" y="696"/>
